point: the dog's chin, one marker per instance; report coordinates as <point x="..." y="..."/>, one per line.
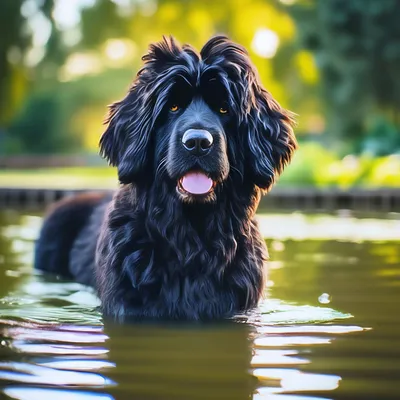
<point x="196" y="187"/>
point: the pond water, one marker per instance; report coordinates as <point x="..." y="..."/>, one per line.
<point x="329" y="327"/>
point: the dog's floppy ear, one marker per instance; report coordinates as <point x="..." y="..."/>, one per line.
<point x="125" y="141"/>
<point x="268" y="128"/>
<point x="270" y="138"/>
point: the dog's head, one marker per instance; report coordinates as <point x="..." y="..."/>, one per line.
<point x="198" y="122"/>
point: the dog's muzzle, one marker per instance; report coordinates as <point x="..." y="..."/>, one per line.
<point x="198" y="142"/>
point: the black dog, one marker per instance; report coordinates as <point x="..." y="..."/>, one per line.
<point x="196" y="142"/>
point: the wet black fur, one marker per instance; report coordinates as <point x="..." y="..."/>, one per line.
<point x="151" y="251"/>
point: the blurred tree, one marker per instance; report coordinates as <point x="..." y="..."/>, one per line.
<point x="357" y="48"/>
<point x="16" y="40"/>
<point x="12" y="43"/>
<point x="55" y="50"/>
<point x="38" y="127"/>
<point x="107" y="15"/>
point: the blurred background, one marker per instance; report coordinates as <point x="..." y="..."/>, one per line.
<point x="335" y="63"/>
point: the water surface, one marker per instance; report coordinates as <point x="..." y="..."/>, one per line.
<point x="329" y="327"/>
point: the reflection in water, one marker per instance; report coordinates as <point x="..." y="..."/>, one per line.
<point x="258" y="355"/>
<point x="186" y="362"/>
<point x="327" y="227"/>
<point x="35" y="374"/>
<point x="294" y="380"/>
<point x="35" y="393"/>
<point x="54" y="343"/>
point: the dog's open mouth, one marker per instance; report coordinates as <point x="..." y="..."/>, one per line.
<point x="195" y="184"/>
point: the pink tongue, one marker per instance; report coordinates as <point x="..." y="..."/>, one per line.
<point x="197" y="183"/>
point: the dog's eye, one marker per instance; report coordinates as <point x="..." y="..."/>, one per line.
<point x="223" y="110"/>
<point x="174" y="108"/>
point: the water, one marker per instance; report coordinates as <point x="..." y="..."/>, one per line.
<point x="329" y="328"/>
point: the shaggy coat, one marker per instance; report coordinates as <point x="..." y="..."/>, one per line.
<point x="158" y="248"/>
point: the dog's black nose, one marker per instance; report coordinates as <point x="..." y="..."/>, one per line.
<point x="197" y="141"/>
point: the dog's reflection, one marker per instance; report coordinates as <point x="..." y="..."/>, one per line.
<point x="180" y="361"/>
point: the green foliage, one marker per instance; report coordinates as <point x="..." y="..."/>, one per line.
<point x="10" y="25"/>
<point x="15" y="42"/>
<point x="314" y="165"/>
<point x="36" y="128"/>
<point x="357" y="47"/>
<point x="45" y="122"/>
<point x="385" y="171"/>
<point x="310" y="164"/>
<point x="103" y="14"/>
<point x="382" y="137"/>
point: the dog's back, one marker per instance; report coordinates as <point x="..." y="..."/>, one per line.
<point x="61" y="228"/>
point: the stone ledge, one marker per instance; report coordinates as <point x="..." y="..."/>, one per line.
<point x="304" y="199"/>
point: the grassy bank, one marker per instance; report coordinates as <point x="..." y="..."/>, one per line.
<point x="60" y="178"/>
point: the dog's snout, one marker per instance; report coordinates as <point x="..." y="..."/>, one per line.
<point x="197" y="141"/>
